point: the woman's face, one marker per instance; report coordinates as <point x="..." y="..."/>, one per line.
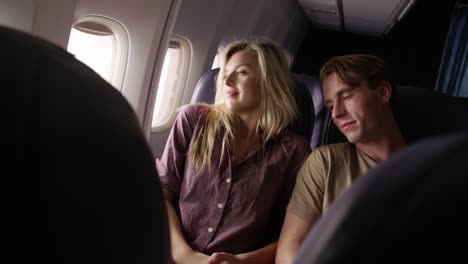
<point x="242" y="83"/>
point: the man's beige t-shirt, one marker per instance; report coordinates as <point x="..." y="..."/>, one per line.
<point x="328" y="171"/>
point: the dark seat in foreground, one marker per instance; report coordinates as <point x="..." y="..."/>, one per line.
<point x="84" y="188"/>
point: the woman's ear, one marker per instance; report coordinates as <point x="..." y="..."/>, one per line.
<point x="385" y="92"/>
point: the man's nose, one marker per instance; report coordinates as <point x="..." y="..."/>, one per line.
<point x="338" y="111"/>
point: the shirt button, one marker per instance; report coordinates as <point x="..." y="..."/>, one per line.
<point x="220" y="205"/>
<point x="228" y="180"/>
<point x="210" y="229"/>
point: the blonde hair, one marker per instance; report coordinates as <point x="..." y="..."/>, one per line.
<point x="277" y="104"/>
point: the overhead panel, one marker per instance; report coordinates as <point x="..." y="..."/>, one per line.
<point x="367" y="17"/>
<point x="371" y="17"/>
<point x="322" y="13"/>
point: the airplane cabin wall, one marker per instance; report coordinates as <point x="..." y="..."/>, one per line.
<point x="18" y="14"/>
<point x="53" y="20"/>
<point x="145" y="22"/>
<point x="284" y="22"/>
<point x="208" y="24"/>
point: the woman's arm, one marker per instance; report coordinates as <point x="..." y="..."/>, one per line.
<point x="180" y="250"/>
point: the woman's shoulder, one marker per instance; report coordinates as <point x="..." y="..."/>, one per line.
<point x="193" y="111"/>
<point x="294" y="142"/>
<point x="294" y="138"/>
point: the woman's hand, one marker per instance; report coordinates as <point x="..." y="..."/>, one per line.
<point x="224" y="258"/>
<point x="265" y="255"/>
<point x="192" y="257"/>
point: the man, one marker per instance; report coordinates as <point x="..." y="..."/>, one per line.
<point x="357" y="90"/>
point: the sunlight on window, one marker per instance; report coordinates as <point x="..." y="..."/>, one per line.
<point x="166" y="89"/>
<point x="215" y="62"/>
<point x="96" y="51"/>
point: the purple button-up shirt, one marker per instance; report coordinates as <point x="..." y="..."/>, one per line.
<point x="232" y="207"/>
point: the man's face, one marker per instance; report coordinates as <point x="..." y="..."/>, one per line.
<point x="356" y="110"/>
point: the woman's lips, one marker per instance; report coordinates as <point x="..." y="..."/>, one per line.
<point x="232" y="93"/>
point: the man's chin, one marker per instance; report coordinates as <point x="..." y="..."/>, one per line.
<point x="352" y="138"/>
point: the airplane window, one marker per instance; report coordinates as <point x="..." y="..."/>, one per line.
<point x="217" y="59"/>
<point x="171" y="84"/>
<point x="96" y="51"/>
<point x="215" y="62"/>
<point x="102" y="44"/>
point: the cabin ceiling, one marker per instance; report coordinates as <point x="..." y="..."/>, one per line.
<point x="366" y="17"/>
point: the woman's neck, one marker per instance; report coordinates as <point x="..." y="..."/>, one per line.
<point x="246" y="126"/>
<point x="246" y="135"/>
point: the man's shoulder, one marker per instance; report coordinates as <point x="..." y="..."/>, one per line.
<point x="326" y="154"/>
<point x="337" y="149"/>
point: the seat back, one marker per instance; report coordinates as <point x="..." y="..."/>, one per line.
<point x="409" y="208"/>
<point x="205" y="92"/>
<point x="314" y="86"/>
<point x="420" y="113"/>
<point x="85" y="187"/>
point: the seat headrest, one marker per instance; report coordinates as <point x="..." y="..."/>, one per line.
<point x="85" y="185"/>
<point x="420" y="113"/>
<point x="205" y="92"/>
<point x="409" y="207"/>
<point x="314" y="86"/>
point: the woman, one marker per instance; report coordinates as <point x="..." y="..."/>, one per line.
<point x="228" y="169"/>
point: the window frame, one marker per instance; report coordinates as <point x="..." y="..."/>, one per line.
<point x="120" y="44"/>
<point x="179" y="85"/>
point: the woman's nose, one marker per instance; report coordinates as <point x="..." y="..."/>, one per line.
<point x="229" y="80"/>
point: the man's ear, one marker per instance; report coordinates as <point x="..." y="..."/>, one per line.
<point x="385" y="92"/>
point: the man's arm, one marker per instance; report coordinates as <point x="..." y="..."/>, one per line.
<point x="293" y="233"/>
<point x="181" y="252"/>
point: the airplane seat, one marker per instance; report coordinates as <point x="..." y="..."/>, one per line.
<point x="205" y="92"/>
<point x="84" y="187"/>
<point x="419" y="112"/>
<point x="407" y="209"/>
<point x="314" y="86"/>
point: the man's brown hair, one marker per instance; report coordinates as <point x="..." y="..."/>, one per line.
<point x="353" y="69"/>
